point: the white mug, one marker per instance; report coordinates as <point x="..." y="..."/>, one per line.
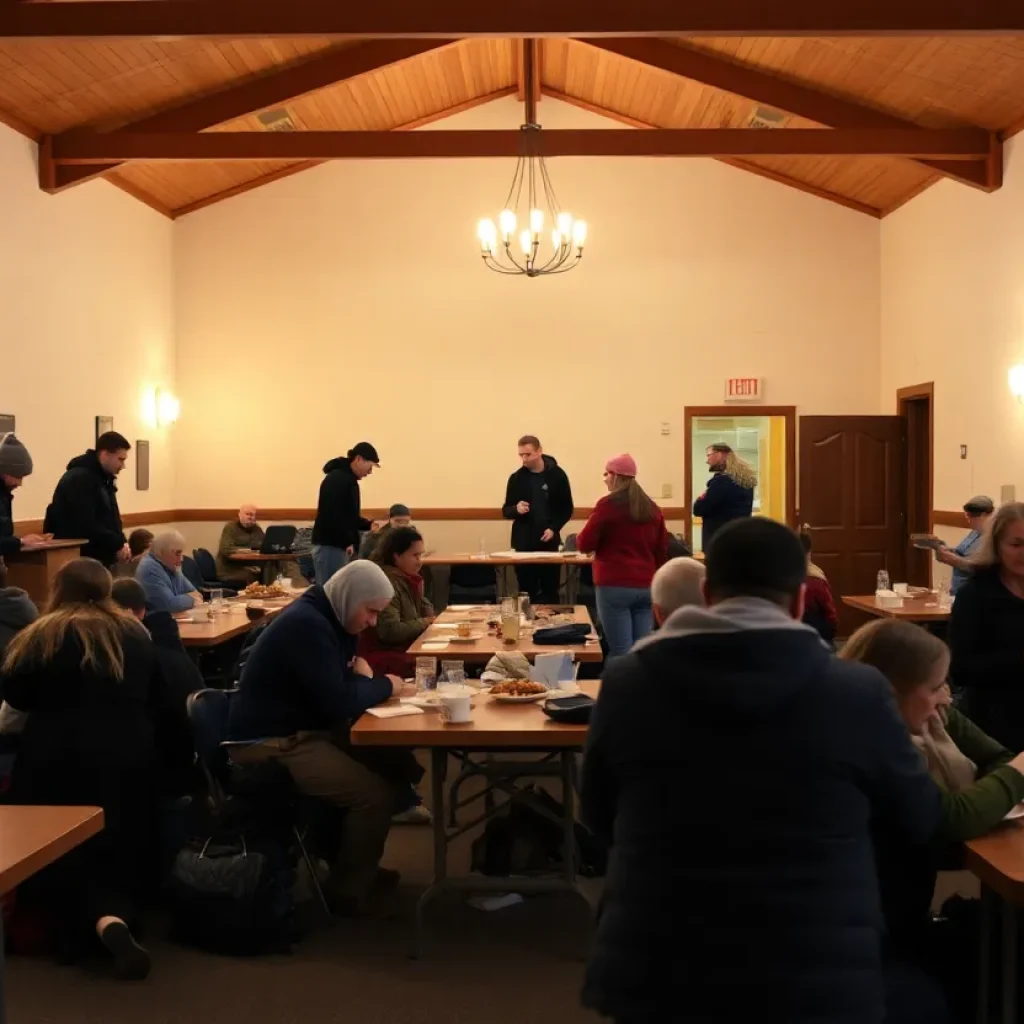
<point x="900" y="588"/>
<point x="454" y="708"/>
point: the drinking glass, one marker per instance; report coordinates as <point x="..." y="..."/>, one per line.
<point x="510" y="620"/>
<point x="426" y="674"/>
<point x="217" y="601"/>
<point x="882" y="582"/>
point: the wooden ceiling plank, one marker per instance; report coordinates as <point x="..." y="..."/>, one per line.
<point x="180" y="19"/>
<point x="264" y="91"/>
<point x="787" y="96"/>
<point x="102" y="149"/>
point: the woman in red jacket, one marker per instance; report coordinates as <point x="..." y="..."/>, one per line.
<point x="627" y="535"/>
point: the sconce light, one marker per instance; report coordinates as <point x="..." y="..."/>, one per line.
<point x="1016" y="378"/>
<point x="167" y="407"/>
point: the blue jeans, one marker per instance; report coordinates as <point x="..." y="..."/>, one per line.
<point x="625" y="614"/>
<point x="327" y="561"/>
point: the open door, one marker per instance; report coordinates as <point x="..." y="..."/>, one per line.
<point x="851" y="497"/>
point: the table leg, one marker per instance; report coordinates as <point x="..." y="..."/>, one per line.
<point x="985" y="922"/>
<point x="438" y="771"/>
<point x="1009" y="973"/>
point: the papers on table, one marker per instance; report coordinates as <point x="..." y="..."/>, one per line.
<point x="394" y="710"/>
<point x="554" y="669"/>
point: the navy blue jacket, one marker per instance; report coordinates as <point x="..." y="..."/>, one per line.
<point x="299" y="676"/>
<point x="723" y="501"/>
<point x="736" y="775"/>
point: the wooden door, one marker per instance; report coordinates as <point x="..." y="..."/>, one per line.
<point x="851" y="497"/>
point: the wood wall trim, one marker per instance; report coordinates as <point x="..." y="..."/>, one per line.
<point x="947" y="518"/>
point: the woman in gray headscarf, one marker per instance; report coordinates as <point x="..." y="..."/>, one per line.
<point x="301" y="688"/>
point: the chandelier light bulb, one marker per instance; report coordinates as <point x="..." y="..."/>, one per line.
<point x="507" y="223"/>
<point x="487" y="234"/>
<point x="579" y="233"/>
<point x="526" y="242"/>
<point x="556" y="240"/>
<point x="564" y="222"/>
<point x="536" y="222"/>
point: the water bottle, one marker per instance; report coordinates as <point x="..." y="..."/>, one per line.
<point x="945" y="596"/>
<point x="882" y="582"/>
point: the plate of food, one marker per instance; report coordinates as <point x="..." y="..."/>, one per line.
<point x="518" y="691"/>
<point x="454" y="638"/>
<point x="262" y="592"/>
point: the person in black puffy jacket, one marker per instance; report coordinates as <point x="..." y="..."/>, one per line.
<point x="729" y="494"/>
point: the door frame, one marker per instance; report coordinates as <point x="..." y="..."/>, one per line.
<point x="690" y="412"/>
<point x="921" y="504"/>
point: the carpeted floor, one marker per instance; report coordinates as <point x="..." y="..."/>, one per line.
<point x="524" y="963"/>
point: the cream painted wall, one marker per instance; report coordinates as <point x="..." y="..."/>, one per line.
<point x="349" y="302"/>
<point x="953" y="313"/>
<point x="86" y="287"/>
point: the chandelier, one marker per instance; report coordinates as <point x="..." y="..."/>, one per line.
<point x="533" y="213"/>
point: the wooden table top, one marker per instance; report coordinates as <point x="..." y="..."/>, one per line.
<point x="998" y="860"/>
<point x="494" y="724"/>
<point x="508" y="558"/>
<point x="915" y="609"/>
<point x="230" y="624"/>
<point x="53" y="545"/>
<point x="33" y="837"/>
<point x="488" y="645"/>
<point x="258" y="556"/>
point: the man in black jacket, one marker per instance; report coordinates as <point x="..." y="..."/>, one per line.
<point x="15" y="465"/>
<point x="538" y="500"/>
<point x="339" y="517"/>
<point x="729" y="494"/>
<point x="85" y="501"/>
<point x="735" y="767"/>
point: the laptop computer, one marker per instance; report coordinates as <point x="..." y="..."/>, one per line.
<point x="278" y="540"/>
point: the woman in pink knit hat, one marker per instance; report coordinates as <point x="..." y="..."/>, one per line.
<point x="627" y="536"/>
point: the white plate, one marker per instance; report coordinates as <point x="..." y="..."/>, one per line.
<point x="471" y="639"/>
<point x="507" y="698"/>
<point x="1015" y="813"/>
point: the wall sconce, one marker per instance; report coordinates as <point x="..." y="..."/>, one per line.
<point x="1016" y="378"/>
<point x="167" y="407"/>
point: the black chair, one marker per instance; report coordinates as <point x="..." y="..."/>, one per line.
<point x="207" y="566"/>
<point x="190" y="568"/>
<point x="243" y="655"/>
<point x="472" y="584"/>
<point x="585" y="592"/>
<point x="677" y="546"/>
<point x="208" y="716"/>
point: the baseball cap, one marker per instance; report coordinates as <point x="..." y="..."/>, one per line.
<point x="366" y="451"/>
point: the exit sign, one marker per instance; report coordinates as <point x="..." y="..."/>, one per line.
<point x="744" y="389"/>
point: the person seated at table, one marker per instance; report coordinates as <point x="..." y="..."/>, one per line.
<point x="679" y="583"/>
<point x="139" y="542"/>
<point x="978" y="512"/>
<point x="980" y="780"/>
<point x="99" y="726"/>
<point x="301" y="688"/>
<point x="166" y="586"/>
<point x="408" y="615"/>
<point x="759" y="890"/>
<point x="986" y="631"/>
<point x="243" y="533"/>
<point x="399" y="517"/>
<point x="16" y="612"/>
<point x="181" y="671"/>
<point x="819" y="605"/>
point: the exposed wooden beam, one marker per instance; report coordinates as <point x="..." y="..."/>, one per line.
<point x="743" y="165"/>
<point x="956" y="143"/>
<point x="793" y="98"/>
<point x="531" y="79"/>
<point x="232" y="19"/>
<point x="280" y="86"/>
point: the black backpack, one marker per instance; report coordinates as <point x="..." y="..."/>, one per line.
<point x="524" y="841"/>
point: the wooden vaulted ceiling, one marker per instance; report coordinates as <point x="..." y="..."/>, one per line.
<point x="52" y="87"/>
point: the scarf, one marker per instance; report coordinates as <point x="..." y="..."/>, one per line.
<point x="947" y="764"/>
<point x="356" y="584"/>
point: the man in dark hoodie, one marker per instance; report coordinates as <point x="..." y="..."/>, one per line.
<point x="756" y="888"/>
<point x="729" y="494"/>
<point x="339" y="517"/>
<point x="15" y="465"/>
<point x="538" y="500"/>
<point x="85" y="501"/>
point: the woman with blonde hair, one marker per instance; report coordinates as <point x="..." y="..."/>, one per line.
<point x="729" y="494"/>
<point x="986" y="632"/>
<point x="98" y="727"/>
<point x="626" y="533"/>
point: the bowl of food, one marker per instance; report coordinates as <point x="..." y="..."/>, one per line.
<point x="261" y="592"/>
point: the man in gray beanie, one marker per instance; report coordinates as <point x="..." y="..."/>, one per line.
<point x="15" y="465"/>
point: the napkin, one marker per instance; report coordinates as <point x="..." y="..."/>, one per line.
<point x="394" y="710"/>
<point x="434" y="645"/>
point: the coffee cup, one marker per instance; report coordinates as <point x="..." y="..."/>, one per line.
<point x="900" y="588"/>
<point x="455" y="708"/>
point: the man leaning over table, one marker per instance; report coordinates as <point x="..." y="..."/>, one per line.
<point x="166" y="586"/>
<point x="15" y="465"/>
<point x="538" y="500"/>
<point x="759" y="890"/>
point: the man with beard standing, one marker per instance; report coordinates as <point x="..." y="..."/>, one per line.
<point x="538" y="500"/>
<point x="729" y="494"/>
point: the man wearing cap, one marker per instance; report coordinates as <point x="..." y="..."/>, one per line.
<point x="978" y="511"/>
<point x="398" y="516"/>
<point x="15" y="465"/>
<point x="338" y="513"/>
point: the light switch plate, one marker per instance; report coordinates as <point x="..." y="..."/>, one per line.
<point x="1007" y="494"/>
<point x="666" y="490"/>
<point x="963" y="451"/>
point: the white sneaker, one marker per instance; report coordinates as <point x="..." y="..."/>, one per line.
<point x="415" y="815"/>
